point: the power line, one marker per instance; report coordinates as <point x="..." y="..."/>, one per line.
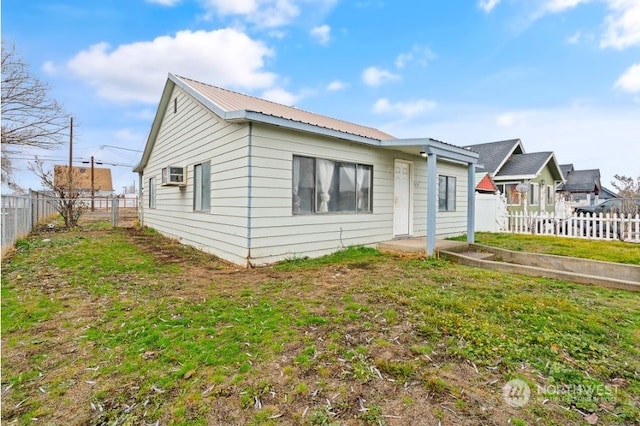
<point x="117" y="147"/>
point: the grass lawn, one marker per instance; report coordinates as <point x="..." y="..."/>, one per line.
<point x="608" y="251"/>
<point x="123" y="326"/>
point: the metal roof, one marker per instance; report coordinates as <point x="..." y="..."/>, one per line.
<point x="231" y="102"/>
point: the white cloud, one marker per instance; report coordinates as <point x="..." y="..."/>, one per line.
<point x="336" y="85"/>
<point x="280" y="96"/>
<point x="262" y="13"/>
<point x="129" y="135"/>
<point x="50" y="68"/>
<point x="405" y="109"/>
<point x="374" y="76"/>
<point x="488" y="5"/>
<point x="510" y="119"/>
<point x="421" y="54"/>
<point x="164" y="2"/>
<point x="555" y="6"/>
<point x="137" y="71"/>
<point x="623" y="25"/>
<point x="321" y="34"/>
<point x="630" y="80"/>
<point x="575" y="38"/>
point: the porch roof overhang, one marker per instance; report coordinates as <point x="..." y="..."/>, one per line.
<point x="426" y="146"/>
<point x="433" y="151"/>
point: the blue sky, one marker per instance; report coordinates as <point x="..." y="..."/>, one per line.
<point x="561" y="75"/>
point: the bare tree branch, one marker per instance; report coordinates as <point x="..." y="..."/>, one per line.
<point x="68" y="203"/>
<point x="629" y="192"/>
<point x="30" y="118"/>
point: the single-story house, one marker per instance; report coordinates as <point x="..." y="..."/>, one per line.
<point x="255" y="182"/>
<point x="580" y="186"/>
<point x="527" y="180"/>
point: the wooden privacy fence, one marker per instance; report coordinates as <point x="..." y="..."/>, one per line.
<point x="599" y="227"/>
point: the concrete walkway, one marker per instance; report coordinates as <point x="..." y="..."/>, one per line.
<point x="582" y="271"/>
<point x="419" y="245"/>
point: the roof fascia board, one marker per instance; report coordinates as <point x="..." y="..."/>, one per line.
<point x="199" y="96"/>
<point x="155" y="126"/>
<point x="514" y="177"/>
<point x="432" y="146"/>
<point x="558" y="171"/>
<point x="506" y="157"/>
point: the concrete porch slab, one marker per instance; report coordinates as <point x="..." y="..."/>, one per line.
<point x="419" y="245"/>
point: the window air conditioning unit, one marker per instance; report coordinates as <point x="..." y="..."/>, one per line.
<point x="175" y="176"/>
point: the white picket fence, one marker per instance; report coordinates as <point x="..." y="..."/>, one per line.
<point x="599" y="227"/>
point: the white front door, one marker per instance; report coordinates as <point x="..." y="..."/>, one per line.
<point x="401" y="199"/>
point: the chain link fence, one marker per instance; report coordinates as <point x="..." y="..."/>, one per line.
<point x="21" y="213"/>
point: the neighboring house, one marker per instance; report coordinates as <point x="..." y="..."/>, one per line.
<point x="83" y="179"/>
<point x="485" y="184"/>
<point x="580" y="187"/>
<point x="527" y="180"/>
<point x="606" y="193"/>
<point x="255" y="182"/>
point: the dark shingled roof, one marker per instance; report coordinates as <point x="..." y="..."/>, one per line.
<point x="494" y="154"/>
<point x="583" y="181"/>
<point x="525" y="164"/>
<point x="566" y="169"/>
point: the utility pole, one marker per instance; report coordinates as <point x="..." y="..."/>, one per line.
<point x="69" y="183"/>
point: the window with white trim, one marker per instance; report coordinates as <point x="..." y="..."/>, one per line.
<point x="327" y="186"/>
<point x="202" y="187"/>
<point x="534" y="194"/>
<point x="446" y="193"/>
<point x="510" y="192"/>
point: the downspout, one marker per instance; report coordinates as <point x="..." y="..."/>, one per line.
<point x="432" y="201"/>
<point x="249" y="191"/>
<point x="140" y="203"/>
<point x="471" y="202"/>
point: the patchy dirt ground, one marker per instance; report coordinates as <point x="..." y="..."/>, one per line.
<point x="388" y="376"/>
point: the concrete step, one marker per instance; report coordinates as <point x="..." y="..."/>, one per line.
<point x="478" y="255"/>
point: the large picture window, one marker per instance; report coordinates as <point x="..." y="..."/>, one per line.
<point x="510" y="192"/>
<point x="446" y="193"/>
<point x="202" y="187"/>
<point x="327" y="186"/>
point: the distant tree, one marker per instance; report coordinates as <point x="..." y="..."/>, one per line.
<point x="30" y="118"/>
<point x="69" y="201"/>
<point x="628" y="191"/>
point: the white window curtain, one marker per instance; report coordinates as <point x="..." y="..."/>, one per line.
<point x="348" y="177"/>
<point x="324" y="174"/>
<point x="363" y="178"/>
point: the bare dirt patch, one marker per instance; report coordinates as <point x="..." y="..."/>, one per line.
<point x="352" y="352"/>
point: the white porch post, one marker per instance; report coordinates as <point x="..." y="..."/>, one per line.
<point x="471" y="202"/>
<point x="432" y="201"/>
